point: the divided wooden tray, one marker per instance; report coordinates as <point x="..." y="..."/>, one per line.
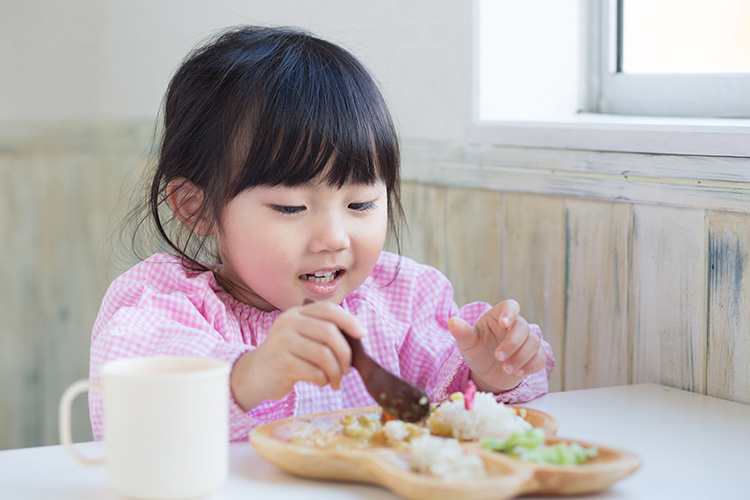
<point x="507" y="477"/>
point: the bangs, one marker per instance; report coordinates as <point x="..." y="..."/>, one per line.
<point x="317" y="116"/>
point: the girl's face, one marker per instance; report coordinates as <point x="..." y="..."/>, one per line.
<point x="282" y="245"/>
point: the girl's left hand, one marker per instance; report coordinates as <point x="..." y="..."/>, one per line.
<point x="500" y="349"/>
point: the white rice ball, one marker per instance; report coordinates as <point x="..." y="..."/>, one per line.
<point x="487" y="417"/>
<point x="395" y="431"/>
<point x="444" y="458"/>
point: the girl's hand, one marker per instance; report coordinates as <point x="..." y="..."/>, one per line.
<point x="304" y="343"/>
<point x="500" y="349"/>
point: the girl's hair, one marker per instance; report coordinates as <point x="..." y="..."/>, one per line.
<point x="261" y="106"/>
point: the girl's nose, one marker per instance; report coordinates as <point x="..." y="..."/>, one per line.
<point x="328" y="234"/>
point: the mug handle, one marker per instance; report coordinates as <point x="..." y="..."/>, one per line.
<point x="66" y="435"/>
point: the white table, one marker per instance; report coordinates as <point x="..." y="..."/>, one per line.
<point x="692" y="446"/>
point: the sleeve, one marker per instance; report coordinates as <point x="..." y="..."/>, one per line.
<point x="141" y="322"/>
<point x="430" y="344"/>
<point x="429" y="356"/>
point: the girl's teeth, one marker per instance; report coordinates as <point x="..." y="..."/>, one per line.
<point x="321" y="277"/>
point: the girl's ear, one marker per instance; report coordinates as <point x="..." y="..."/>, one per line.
<point x="186" y="200"/>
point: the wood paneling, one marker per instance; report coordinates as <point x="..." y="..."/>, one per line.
<point x="59" y="201"/>
<point x="668" y="297"/>
<point x="426" y="211"/>
<point x="473" y="262"/>
<point x="596" y="349"/>
<point x="619" y="290"/>
<point x="625" y="293"/>
<point x="533" y="235"/>
<point x="632" y="276"/>
<point x="717" y="183"/>
<point x="728" y="363"/>
<point x="21" y="413"/>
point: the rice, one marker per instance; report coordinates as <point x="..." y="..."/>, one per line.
<point x="487" y="417"/>
<point x="444" y="458"/>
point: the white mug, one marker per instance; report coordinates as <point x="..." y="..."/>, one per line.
<point x="166" y="425"/>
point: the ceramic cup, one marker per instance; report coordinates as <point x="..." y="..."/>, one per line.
<point x="166" y="425"/>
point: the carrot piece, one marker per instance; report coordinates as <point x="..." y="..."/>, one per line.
<point x="386" y="417"/>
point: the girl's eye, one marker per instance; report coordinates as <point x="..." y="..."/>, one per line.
<point x="363" y="207"/>
<point x="286" y="210"/>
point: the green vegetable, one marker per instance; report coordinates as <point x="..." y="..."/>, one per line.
<point x="529" y="446"/>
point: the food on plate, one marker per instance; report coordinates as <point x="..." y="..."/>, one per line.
<point x="393" y="433"/>
<point x="467" y="417"/>
<point x="444" y="458"/>
<point x="361" y="426"/>
<point x="432" y="455"/>
<point x="363" y="444"/>
<point x="311" y="435"/>
<point x="432" y="447"/>
<point x="484" y="417"/>
<point x="530" y="446"/>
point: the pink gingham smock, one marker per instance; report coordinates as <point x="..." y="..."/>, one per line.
<point x="160" y="308"/>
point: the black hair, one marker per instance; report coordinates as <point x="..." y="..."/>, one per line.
<point x="263" y="106"/>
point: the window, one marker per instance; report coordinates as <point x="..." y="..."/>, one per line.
<point x="672" y="58"/>
<point x="604" y="75"/>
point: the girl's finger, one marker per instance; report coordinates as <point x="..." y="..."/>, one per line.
<point x="513" y="340"/>
<point x="320" y="356"/>
<point x="333" y="313"/>
<point x="302" y="370"/>
<point x="536" y="363"/>
<point x="463" y="332"/>
<point x="525" y="354"/>
<point x="508" y="312"/>
<point x="323" y="332"/>
<point x="288" y="369"/>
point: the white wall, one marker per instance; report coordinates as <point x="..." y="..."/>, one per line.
<point x="110" y="60"/>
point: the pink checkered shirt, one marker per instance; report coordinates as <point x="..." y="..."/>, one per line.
<point x="160" y="308"/>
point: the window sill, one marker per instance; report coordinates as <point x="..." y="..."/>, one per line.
<point x="627" y="134"/>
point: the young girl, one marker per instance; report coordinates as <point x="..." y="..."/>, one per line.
<point x="279" y="164"/>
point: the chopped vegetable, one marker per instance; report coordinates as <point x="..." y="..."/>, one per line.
<point x="529" y="446"/>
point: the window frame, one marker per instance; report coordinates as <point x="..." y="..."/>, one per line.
<point x="682" y="95"/>
<point x="608" y="132"/>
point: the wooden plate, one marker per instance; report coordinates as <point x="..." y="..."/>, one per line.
<point x="507" y="477"/>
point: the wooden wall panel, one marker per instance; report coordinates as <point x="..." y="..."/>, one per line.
<point x="668" y="297"/>
<point x="533" y="266"/>
<point x="445" y="232"/>
<point x="425" y="238"/>
<point x="728" y="360"/>
<point x="72" y="199"/>
<point x="472" y="248"/>
<point x="59" y="206"/>
<point x="596" y="326"/>
<point x="705" y="182"/>
<point x="20" y="339"/>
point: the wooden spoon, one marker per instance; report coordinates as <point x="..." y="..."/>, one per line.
<point x="397" y="397"/>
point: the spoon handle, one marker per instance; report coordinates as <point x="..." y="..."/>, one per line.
<point x="364" y="364"/>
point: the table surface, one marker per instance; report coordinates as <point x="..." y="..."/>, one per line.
<point x="692" y="446"/>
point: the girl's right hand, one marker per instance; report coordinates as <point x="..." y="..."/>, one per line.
<point x="304" y="343"/>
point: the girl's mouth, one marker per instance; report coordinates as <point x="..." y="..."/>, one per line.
<point x="321" y="277"/>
